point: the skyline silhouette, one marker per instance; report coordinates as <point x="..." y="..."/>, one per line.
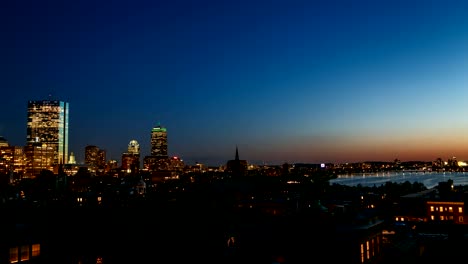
<point x="296" y="81"/>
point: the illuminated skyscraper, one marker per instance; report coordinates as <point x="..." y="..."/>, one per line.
<point x="131" y="158"/>
<point x="48" y="126"/>
<point x="95" y="157"/>
<point x="133" y="147"/>
<point x="159" y="141"/>
<point x="158" y="160"/>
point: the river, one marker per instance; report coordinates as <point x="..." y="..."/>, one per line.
<point x="429" y="179"/>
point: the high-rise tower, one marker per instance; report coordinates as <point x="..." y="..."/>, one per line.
<point x="95" y="157"/>
<point x="131" y="158"/>
<point x="48" y="126"/>
<point x="159" y="141"/>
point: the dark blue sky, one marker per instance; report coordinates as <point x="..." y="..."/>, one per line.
<point x="285" y="81"/>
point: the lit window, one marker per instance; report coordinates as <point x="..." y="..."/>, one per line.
<point x="24" y="253"/>
<point x="460" y="210"/>
<point x="441" y="217"/>
<point x="14" y="255"/>
<point x="450" y="209"/>
<point x="367" y="249"/>
<point x="432" y="217"/>
<point x="432" y="208"/>
<point x="362" y="253"/>
<point x="441" y="208"/>
<point x="402" y="219"/>
<point x="36" y="250"/>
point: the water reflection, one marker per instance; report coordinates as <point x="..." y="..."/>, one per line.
<point x="429" y="179"/>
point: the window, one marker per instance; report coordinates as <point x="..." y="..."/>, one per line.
<point x="460" y="210"/>
<point x="460" y="219"/>
<point x="14" y="255"/>
<point x="373" y="246"/>
<point x="362" y="253"/>
<point x="441" y="209"/>
<point x="432" y="208"/>
<point x="450" y="209"/>
<point x="367" y="250"/>
<point x="25" y="253"/>
<point x="36" y="250"/>
<point x="442" y="217"/>
<point x="432" y="217"/>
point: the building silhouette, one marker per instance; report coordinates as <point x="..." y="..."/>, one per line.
<point x="158" y="158"/>
<point x="95" y="158"/>
<point x="131" y="158"/>
<point x="38" y="156"/>
<point x="47" y="134"/>
<point x="159" y="164"/>
<point x="11" y="158"/>
<point x="3" y="142"/>
<point x="236" y="167"/>
<point x="159" y="141"/>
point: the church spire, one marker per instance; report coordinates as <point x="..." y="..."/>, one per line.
<point x="237" y="154"/>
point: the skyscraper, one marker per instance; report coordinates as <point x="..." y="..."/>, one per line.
<point x="158" y="160"/>
<point x="95" y="157"/>
<point x="48" y="125"/>
<point x="159" y="141"/>
<point x="131" y="158"/>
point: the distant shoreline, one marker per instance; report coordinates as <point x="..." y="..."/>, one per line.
<point x="428" y="178"/>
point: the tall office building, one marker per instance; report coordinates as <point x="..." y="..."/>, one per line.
<point x="133" y="147"/>
<point x="95" y="157"/>
<point x="159" y="141"/>
<point x="131" y="158"/>
<point x="48" y="127"/>
<point x="158" y="160"/>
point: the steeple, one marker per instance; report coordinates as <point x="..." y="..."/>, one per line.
<point x="236" y="166"/>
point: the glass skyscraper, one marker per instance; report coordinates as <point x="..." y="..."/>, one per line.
<point x="48" y="126"/>
<point x="159" y="141"/>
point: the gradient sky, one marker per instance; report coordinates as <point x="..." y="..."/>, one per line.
<point x="285" y="81"/>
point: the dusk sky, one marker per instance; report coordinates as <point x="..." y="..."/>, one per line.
<point x="285" y="81"/>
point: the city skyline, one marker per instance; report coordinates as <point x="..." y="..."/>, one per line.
<point x="295" y="81"/>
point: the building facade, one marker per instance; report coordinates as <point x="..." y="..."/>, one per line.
<point x="159" y="141"/>
<point x="11" y="158"/>
<point x="47" y="129"/>
<point x="95" y="157"/>
<point x="131" y="158"/>
<point x="236" y="167"/>
<point x="38" y="156"/>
